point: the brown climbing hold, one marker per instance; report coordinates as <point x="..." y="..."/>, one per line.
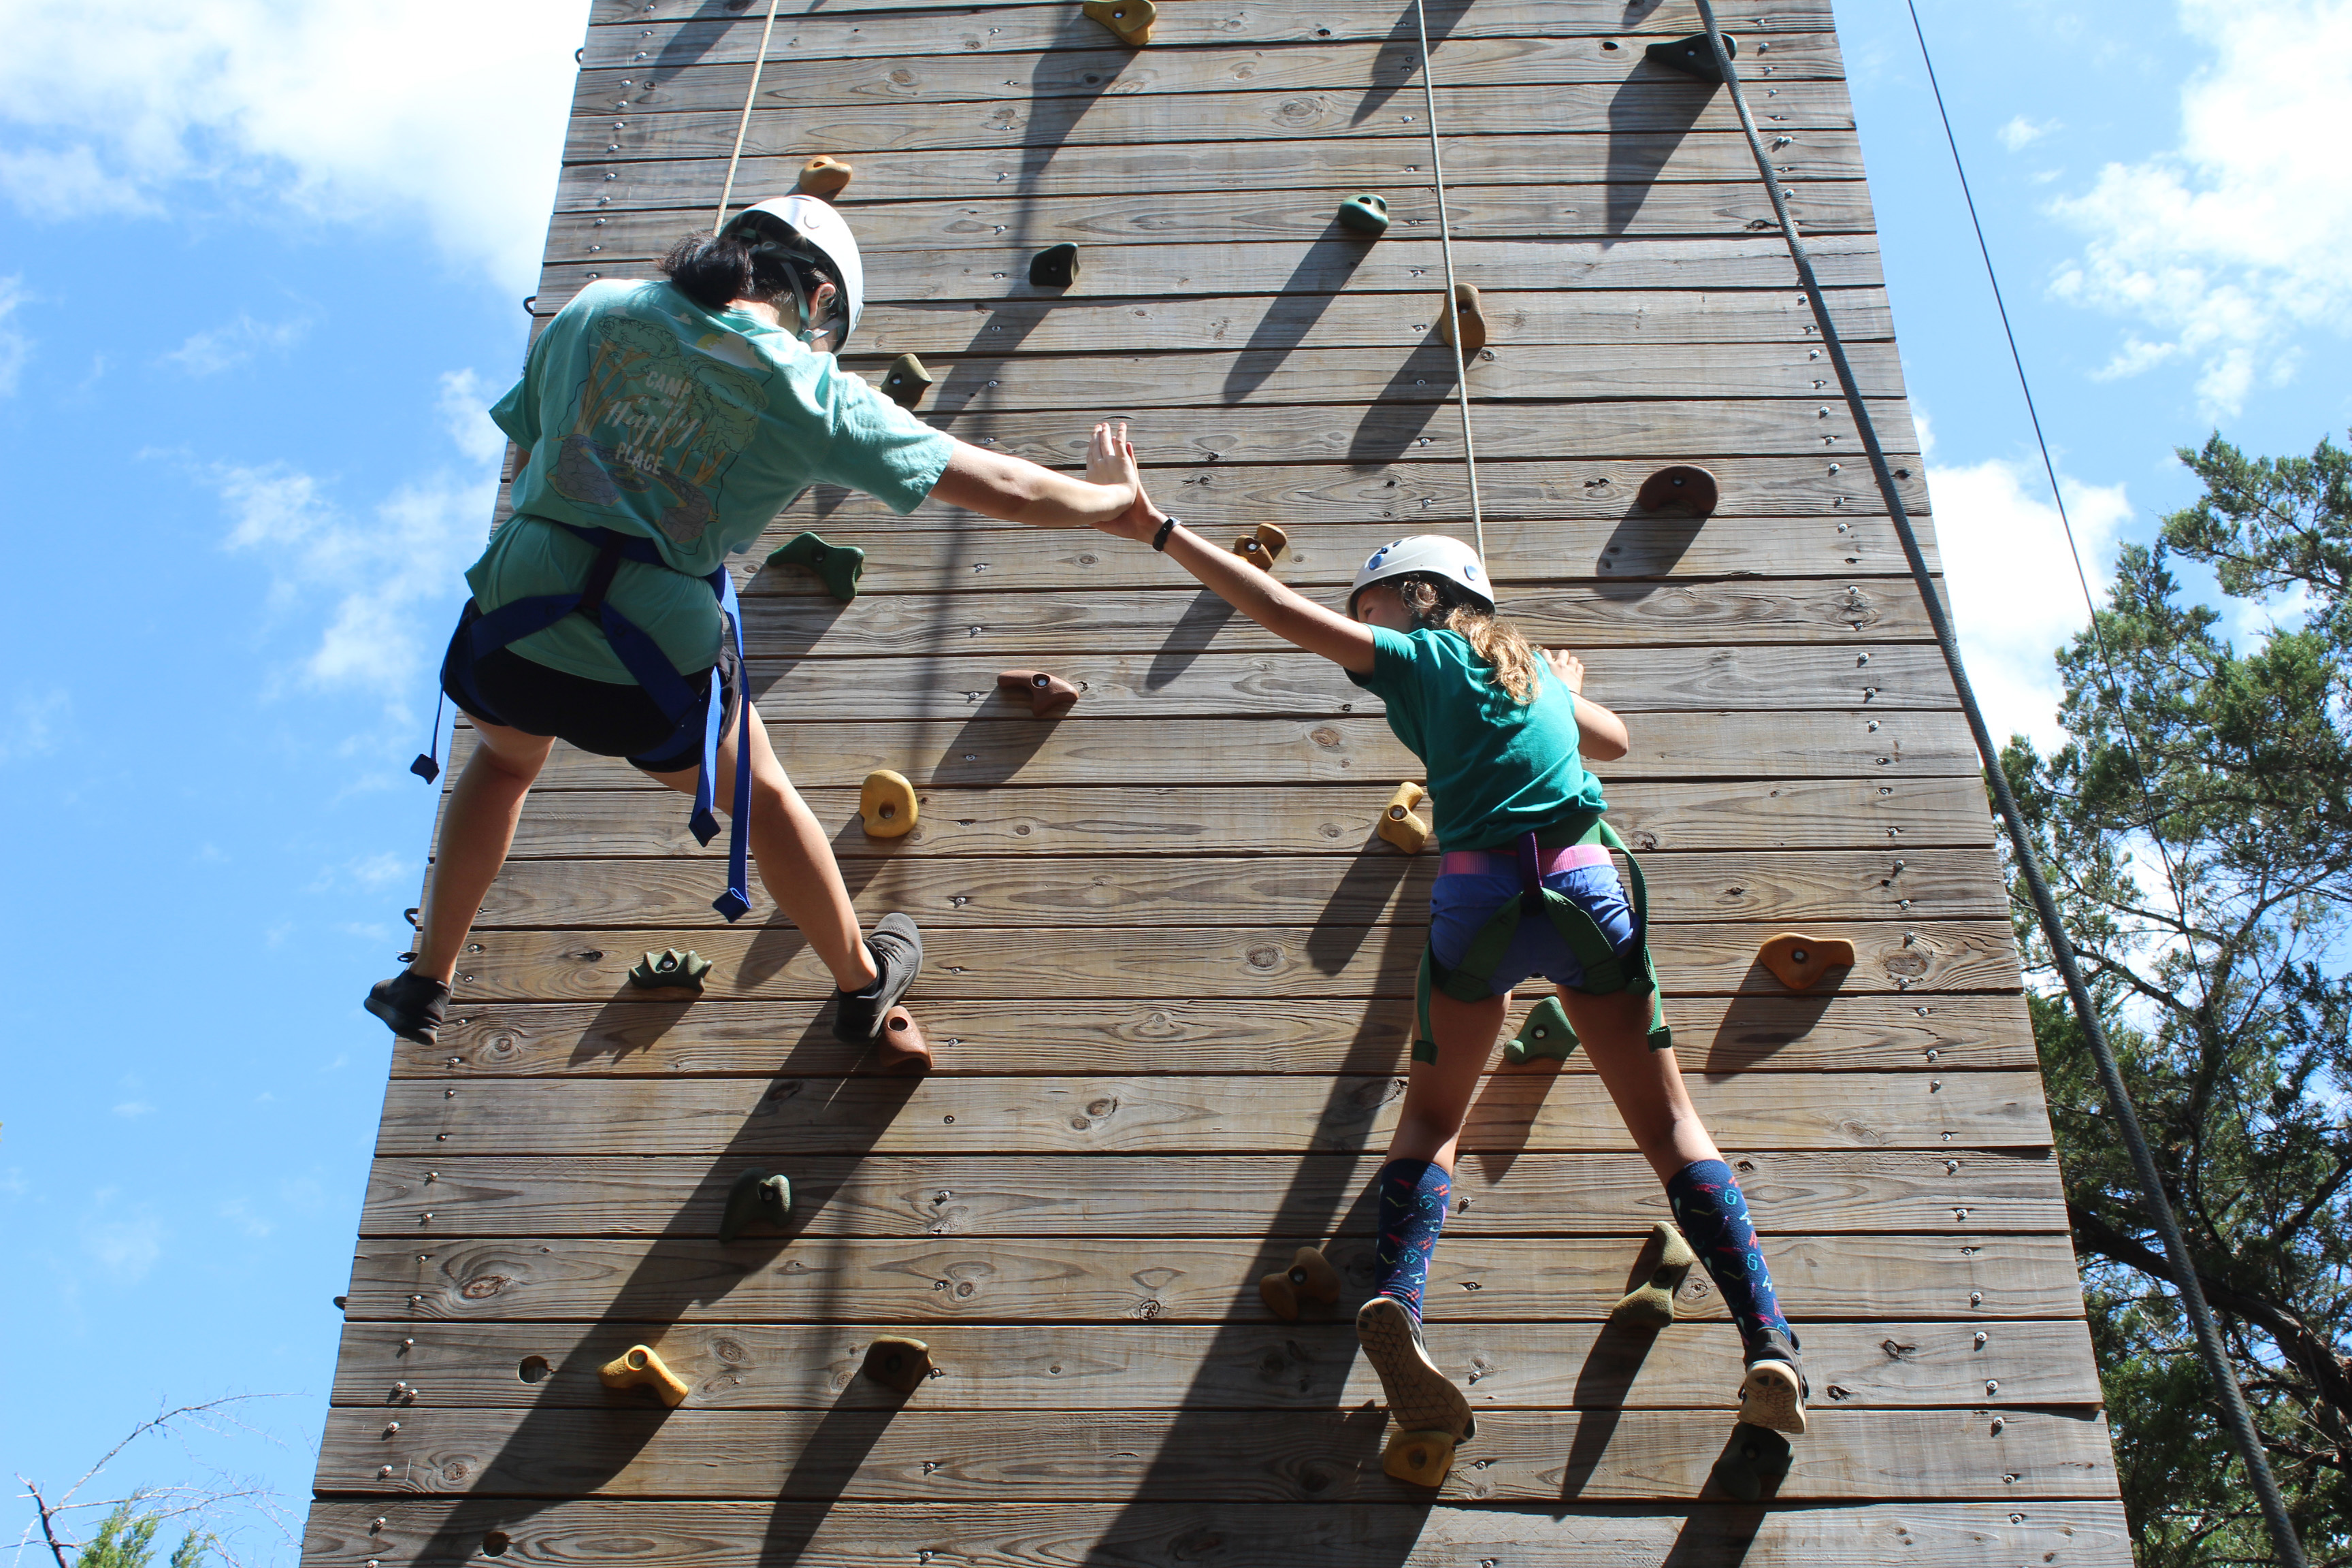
<point x="1418" y="1459"/>
<point x="887" y="802"/>
<point x="906" y="381"/>
<point x="823" y="177"/>
<point x="640" y="1365"/>
<point x="1799" y="962"/>
<point x="1399" y="826"/>
<point x="1682" y="490"/>
<point x="1048" y="695"/>
<point x="905" y="1052"/>
<point x="1473" y="319"/>
<point x="1652" y="1304"/>
<point x="1309" y="1280"/>
<point x="1130" y="21"/>
<point x="1263" y="548"/>
<point x="896" y="1364"/>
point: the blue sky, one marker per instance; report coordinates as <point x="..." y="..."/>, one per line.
<point x="263" y="268"/>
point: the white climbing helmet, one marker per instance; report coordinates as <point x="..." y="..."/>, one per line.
<point x="810" y="232"/>
<point x="1431" y="552"/>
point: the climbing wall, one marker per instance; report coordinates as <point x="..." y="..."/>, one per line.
<point x="1169" y="965"/>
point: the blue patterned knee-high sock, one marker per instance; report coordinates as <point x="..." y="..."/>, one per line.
<point x="1713" y="1214"/>
<point x="1412" y="1195"/>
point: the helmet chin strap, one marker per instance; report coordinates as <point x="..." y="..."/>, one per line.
<point x="810" y="328"/>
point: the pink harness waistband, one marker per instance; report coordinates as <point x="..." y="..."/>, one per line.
<point x="1491" y="863"/>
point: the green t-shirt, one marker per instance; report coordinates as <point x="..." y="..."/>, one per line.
<point x="1496" y="770"/>
<point x="645" y="414"/>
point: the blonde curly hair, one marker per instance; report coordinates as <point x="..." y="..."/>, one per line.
<point x="1432" y="602"/>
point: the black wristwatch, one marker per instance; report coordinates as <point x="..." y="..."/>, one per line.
<point x="1160" y="540"/>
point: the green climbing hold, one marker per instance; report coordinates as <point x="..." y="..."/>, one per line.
<point x="1055" y="267"/>
<point x="1692" y="55"/>
<point x="670" y="969"/>
<point x="1651" y="1305"/>
<point x="756" y="1196"/>
<point x="1546" y="1033"/>
<point x="838" y="566"/>
<point x="906" y="381"/>
<point x="1754" y="1463"/>
<point x="1367" y="213"/>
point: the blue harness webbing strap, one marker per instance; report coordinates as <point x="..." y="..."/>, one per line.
<point x="651" y="668"/>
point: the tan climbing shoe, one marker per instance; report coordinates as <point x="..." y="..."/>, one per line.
<point x="1772" y="1394"/>
<point x="1419" y="1397"/>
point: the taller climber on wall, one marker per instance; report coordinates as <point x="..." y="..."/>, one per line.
<point x="665" y="424"/>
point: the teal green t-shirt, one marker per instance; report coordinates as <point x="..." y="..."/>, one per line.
<point x="645" y="414"/>
<point x="1498" y="770"/>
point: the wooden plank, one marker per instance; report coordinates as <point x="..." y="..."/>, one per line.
<point x="908" y="272"/>
<point x="1493" y="157"/>
<point x="766" y="1534"/>
<point x="1887" y="1033"/>
<point x="945" y="1279"/>
<point x="1321" y="1457"/>
<point x="946" y="1113"/>
<point x="441" y="1194"/>
<point x="1790" y="814"/>
<point x="1782" y="887"/>
<point x="1340" y="748"/>
<point x="1289" y="1367"/>
<point x="1260" y="964"/>
<point x="1297" y="212"/>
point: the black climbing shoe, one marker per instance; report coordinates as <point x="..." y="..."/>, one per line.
<point x="412" y="1006"/>
<point x="1419" y="1397"/>
<point x="1773" y="1393"/>
<point x="897" y="948"/>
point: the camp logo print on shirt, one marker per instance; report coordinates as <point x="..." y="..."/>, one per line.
<point x="656" y="430"/>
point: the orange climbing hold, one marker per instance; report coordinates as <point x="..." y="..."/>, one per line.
<point x="823" y="177"/>
<point x="640" y="1366"/>
<point x="1130" y="21"/>
<point x="1799" y="961"/>
<point x="1263" y="548"/>
<point x="1399" y="826"/>
<point x="1682" y="490"/>
<point x="1047" y="695"/>
<point x="1466" y="305"/>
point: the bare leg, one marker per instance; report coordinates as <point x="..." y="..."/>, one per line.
<point x="1645" y="1085"/>
<point x="1437" y="1094"/>
<point x="476" y="832"/>
<point x="795" y="859"/>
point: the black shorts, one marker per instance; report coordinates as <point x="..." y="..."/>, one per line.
<point x="604" y="717"/>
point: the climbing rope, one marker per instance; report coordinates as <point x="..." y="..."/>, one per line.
<point x="2231" y="1398"/>
<point x="1445" y="245"/>
<point x="742" y="128"/>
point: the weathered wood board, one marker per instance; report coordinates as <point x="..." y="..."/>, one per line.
<point x="1169" y="965"/>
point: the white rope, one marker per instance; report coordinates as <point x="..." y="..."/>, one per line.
<point x="1445" y="245"/>
<point x="744" y="126"/>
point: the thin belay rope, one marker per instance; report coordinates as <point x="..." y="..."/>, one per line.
<point x="743" y="126"/>
<point x="1445" y="245"/>
<point x="2230" y="1396"/>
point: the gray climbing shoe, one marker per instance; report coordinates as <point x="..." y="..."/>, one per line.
<point x="412" y="1006"/>
<point x="1419" y="1397"/>
<point x="1773" y="1393"/>
<point x="897" y="948"/>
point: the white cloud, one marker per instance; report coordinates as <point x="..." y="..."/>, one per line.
<point x="133" y="1109"/>
<point x="125" y="1246"/>
<point x="15" y="348"/>
<point x="2020" y="132"/>
<point x="226" y="347"/>
<point x="341" y="109"/>
<point x="2231" y="246"/>
<point x="2015" y="598"/>
<point x="32" y="724"/>
<point x="465" y="399"/>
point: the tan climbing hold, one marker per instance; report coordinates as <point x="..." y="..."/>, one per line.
<point x="1685" y="490"/>
<point x="898" y="1364"/>
<point x="640" y="1366"/>
<point x="1129" y="20"/>
<point x="906" y="381"/>
<point x="1399" y="826"/>
<point x="1418" y="1459"/>
<point x="1799" y="962"/>
<point x="1652" y="1305"/>
<point x="1263" y="548"/>
<point x="887" y="803"/>
<point x="1047" y="695"/>
<point x="1473" y="319"/>
<point x="824" y="177"/>
<point x="905" y="1052"/>
<point x="1310" y="1280"/>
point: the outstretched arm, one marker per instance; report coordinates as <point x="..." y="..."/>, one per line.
<point x="1289" y="614"/>
<point x="1000" y="485"/>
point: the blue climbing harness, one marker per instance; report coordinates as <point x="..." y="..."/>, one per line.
<point x="487" y="631"/>
<point x="1607" y="969"/>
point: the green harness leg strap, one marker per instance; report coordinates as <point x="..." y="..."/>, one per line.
<point x="1606" y="971"/>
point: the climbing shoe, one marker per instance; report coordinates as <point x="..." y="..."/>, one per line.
<point x="410" y="1004"/>
<point x="1773" y="1393"/>
<point x="1419" y="1397"/>
<point x="897" y="948"/>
